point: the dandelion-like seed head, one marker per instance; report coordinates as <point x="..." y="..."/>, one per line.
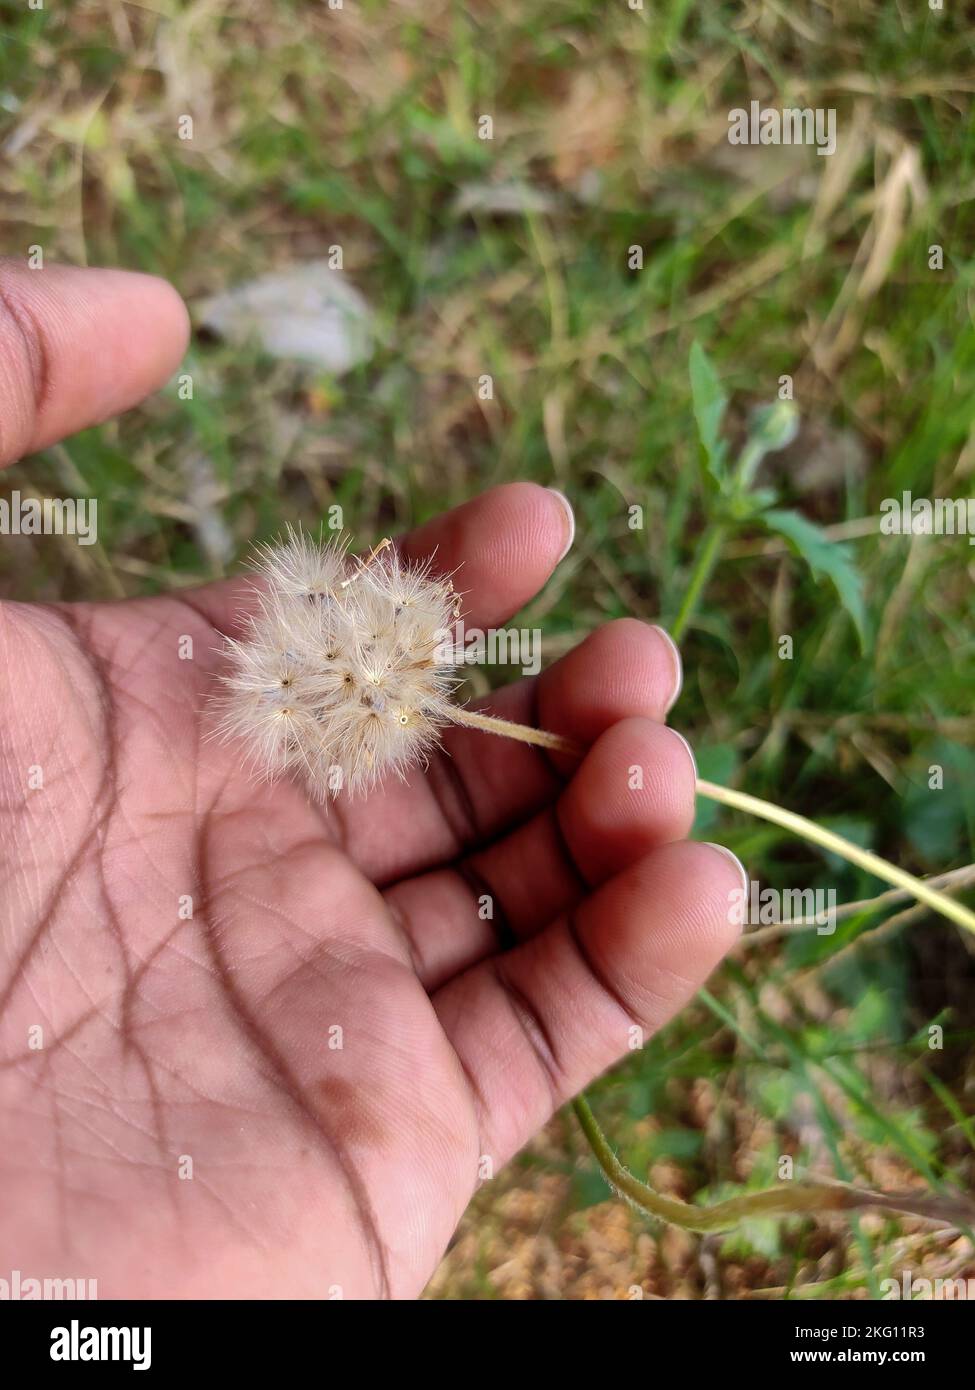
<point x="343" y="674"/>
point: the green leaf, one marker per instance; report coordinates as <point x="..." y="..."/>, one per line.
<point x="709" y="402"/>
<point x="826" y="560"/>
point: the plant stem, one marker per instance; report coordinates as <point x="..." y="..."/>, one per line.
<point x="707" y="558"/>
<point x="838" y="844"/>
<point x="755" y="806"/>
<point x="790" y="1199"/>
<point x="490" y="724"/>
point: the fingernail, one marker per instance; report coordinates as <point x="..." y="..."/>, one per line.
<point x="570" y="521"/>
<point x="723" y="849"/>
<point x="678" y="665"/>
<point x="690" y="750"/>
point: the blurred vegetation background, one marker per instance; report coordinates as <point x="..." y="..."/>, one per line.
<point x="358" y="127"/>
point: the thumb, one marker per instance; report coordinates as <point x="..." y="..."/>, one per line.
<point x="78" y="346"/>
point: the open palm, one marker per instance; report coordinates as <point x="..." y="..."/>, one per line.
<point x="250" y="1047"/>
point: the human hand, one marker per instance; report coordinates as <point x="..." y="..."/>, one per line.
<point x="190" y="1126"/>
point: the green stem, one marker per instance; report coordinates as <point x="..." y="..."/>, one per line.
<point x="751" y="456"/>
<point x="790" y="1199"/>
<point x="707" y="558"/>
<point x="785" y="1200"/>
<point x="755" y="806"/>
<point x="838" y="844"/>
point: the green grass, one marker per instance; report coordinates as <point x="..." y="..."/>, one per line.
<point x="358" y="127"/>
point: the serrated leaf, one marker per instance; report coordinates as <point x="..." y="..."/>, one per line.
<point x="826" y="559"/>
<point x="709" y="402"/>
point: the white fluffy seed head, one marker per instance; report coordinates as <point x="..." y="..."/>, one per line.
<point x="344" y="674"/>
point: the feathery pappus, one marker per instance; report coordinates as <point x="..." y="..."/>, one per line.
<point x="344" y="673"/>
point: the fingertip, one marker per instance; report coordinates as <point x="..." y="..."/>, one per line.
<point x="167" y="309"/>
<point x="569" y="520"/>
<point x="672" y="916"/>
<point x="524" y="524"/>
<point x="633" y="790"/>
<point x="677" y="665"/>
<point x="731" y="859"/>
<point x="130" y="302"/>
<point x="715" y="880"/>
<point x="625" y="667"/>
<point x="503" y="545"/>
